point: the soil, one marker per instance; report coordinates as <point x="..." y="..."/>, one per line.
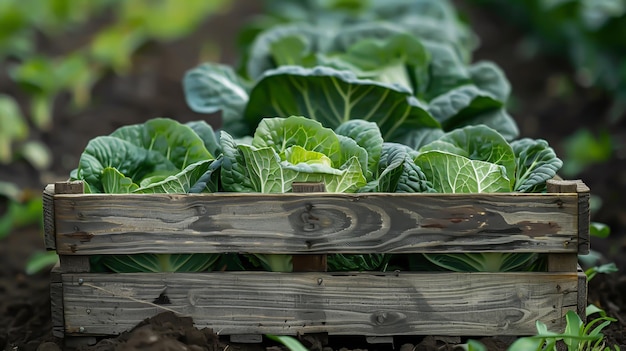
<point x="153" y="89"/>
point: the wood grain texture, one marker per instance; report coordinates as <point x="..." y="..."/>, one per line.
<point x="303" y="262"/>
<point x="56" y="302"/>
<point x="74" y="264"/>
<point x="583" y="191"/>
<point x="582" y="294"/>
<point x="562" y="262"/>
<point x="584" y="215"/>
<point x="48" y="217"/>
<point x="73" y="187"/>
<point x="348" y="223"/>
<point x="350" y="304"/>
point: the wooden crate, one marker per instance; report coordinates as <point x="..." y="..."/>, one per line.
<point x="308" y="225"/>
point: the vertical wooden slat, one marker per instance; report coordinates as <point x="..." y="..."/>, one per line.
<point x="582" y="295"/>
<point x="301" y="263"/>
<point x="48" y="218"/>
<point x="72" y="264"/>
<point x="66" y="263"/>
<point x="56" y="302"/>
<point x="309" y="263"/>
<point x="569" y="262"/>
<point x="562" y="262"/>
<point x="583" y="218"/>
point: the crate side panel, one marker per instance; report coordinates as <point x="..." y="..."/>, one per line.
<point x="48" y="217"/>
<point x="296" y="303"/>
<point x="316" y="223"/>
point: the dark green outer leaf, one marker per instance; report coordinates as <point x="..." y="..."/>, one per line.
<point x="397" y="172"/>
<point x="178" y="143"/>
<point x="497" y="119"/>
<point x="159" y="262"/>
<point x="461" y="104"/>
<point x="234" y="174"/>
<point x="416" y="138"/>
<point x="484" y="262"/>
<point x="193" y="176"/>
<point x="333" y="97"/>
<point x="129" y="159"/>
<point x="208" y="136"/>
<point x="213" y="87"/>
<point x="469" y="105"/>
<point x="536" y="163"/>
<point x="446" y="72"/>
<point x="263" y="51"/>
<point x="489" y="77"/>
<point x="350" y="35"/>
<point x="368" y="262"/>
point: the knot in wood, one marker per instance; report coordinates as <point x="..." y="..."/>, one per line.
<point x="381" y="317"/>
<point x="310" y="221"/>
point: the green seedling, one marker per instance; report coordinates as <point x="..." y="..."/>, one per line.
<point x="21" y="211"/>
<point x="577" y="335"/>
<point x="14" y="127"/>
<point x="288" y="341"/>
<point x="40" y="261"/>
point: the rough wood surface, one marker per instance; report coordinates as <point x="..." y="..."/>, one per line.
<point x="584" y="215"/>
<point x="48" y="217"/>
<point x="562" y="262"/>
<point x="309" y="263"/>
<point x="354" y="304"/>
<point x="74" y="264"/>
<point x="349" y="223"/>
<point x="580" y="188"/>
<point x="56" y="302"/>
<point x="582" y="294"/>
<point x="74" y="187"/>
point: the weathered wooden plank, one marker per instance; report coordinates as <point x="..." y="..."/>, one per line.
<point x="68" y="264"/>
<point x="74" y="264"/>
<point x="299" y="303"/>
<point x="580" y="188"/>
<point x="56" y="302"/>
<point x="73" y="187"/>
<point x="48" y="217"/>
<point x="309" y="263"/>
<point x="349" y="223"/>
<point x="562" y="262"/>
<point x="584" y="214"/>
<point x="582" y="295"/>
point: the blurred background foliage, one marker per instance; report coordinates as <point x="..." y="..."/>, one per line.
<point x="105" y="34"/>
<point x="590" y="33"/>
<point x="55" y="48"/>
<point x="591" y="36"/>
<point x="36" y="57"/>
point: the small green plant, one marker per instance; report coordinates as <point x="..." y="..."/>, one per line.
<point x="23" y="208"/>
<point x="43" y="77"/>
<point x="577" y="335"/>
<point x="583" y="149"/>
<point x="604" y="269"/>
<point x="587" y="32"/>
<point x="14" y="127"/>
<point x="288" y="341"/>
<point x="590" y="261"/>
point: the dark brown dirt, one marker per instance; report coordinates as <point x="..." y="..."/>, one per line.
<point x="153" y="89"/>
